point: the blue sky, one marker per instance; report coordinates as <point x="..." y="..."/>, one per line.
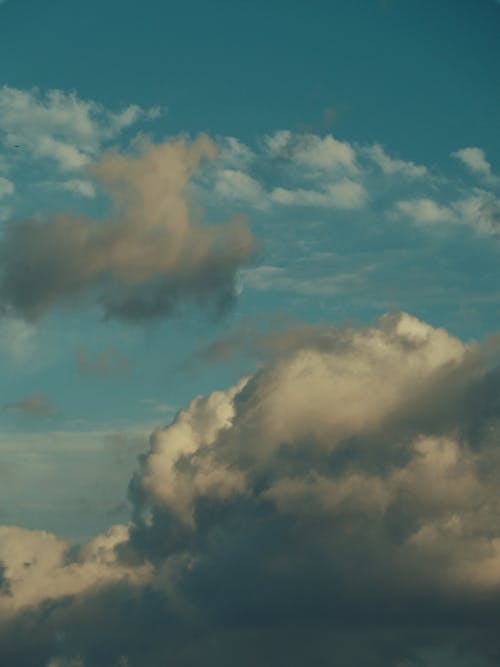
<point x="185" y="187"/>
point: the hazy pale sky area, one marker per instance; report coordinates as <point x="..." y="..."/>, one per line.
<point x="249" y="333"/>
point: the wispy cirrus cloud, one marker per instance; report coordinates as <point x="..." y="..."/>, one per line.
<point x="344" y="194"/>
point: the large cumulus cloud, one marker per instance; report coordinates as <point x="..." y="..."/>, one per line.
<point x="151" y="255"/>
<point x="338" y="506"/>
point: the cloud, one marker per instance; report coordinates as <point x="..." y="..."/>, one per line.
<point x="475" y="160"/>
<point x="150" y="256"/>
<point x="344" y="497"/>
<point x="17" y="339"/>
<point x="480" y="210"/>
<point x="425" y="211"/>
<point x="392" y="166"/>
<point x="233" y="153"/>
<point x="266" y="277"/>
<point x="60" y="126"/>
<point x="46" y="570"/>
<point x="312" y="151"/>
<point x="232" y="184"/>
<point x="36" y="404"/>
<point x="345" y="194"/>
<point x="6" y="187"/>
<point x="80" y="187"/>
<point x="107" y="363"/>
<point x="348" y="489"/>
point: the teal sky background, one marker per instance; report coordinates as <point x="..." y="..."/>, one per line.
<point x="420" y="79"/>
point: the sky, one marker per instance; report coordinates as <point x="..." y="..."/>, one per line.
<point x="249" y="333"/>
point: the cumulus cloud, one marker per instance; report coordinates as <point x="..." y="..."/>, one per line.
<point x="233" y="153"/>
<point x="425" y="211"/>
<point x="312" y="151"/>
<point x="236" y="185"/>
<point x="40" y="566"/>
<point x="392" y="166"/>
<point x="480" y="210"/>
<point x="60" y="126"/>
<point x="312" y="171"/>
<point x="345" y="194"/>
<point x="343" y="498"/>
<point x="148" y="257"/>
<point x="475" y="160"/>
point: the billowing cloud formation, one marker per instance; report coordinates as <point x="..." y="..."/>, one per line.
<point x="344" y="498"/>
<point x="37" y="566"/>
<point x="147" y="258"/>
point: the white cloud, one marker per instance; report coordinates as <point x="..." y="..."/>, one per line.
<point x="425" y="211"/>
<point x="235" y="185"/>
<point x="392" y="166"/>
<point x="233" y="153"/>
<point x="475" y="160"/>
<point x="80" y="187"/>
<point x="265" y="278"/>
<point x="312" y="151"/>
<point x="60" y="126"/>
<point x="345" y="194"/>
<point x="37" y="566"/>
<point x="480" y="211"/>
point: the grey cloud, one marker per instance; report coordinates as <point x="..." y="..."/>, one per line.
<point x="338" y="506"/>
<point x="151" y="256"/>
<point x="35" y="404"/>
<point x="107" y="363"/>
